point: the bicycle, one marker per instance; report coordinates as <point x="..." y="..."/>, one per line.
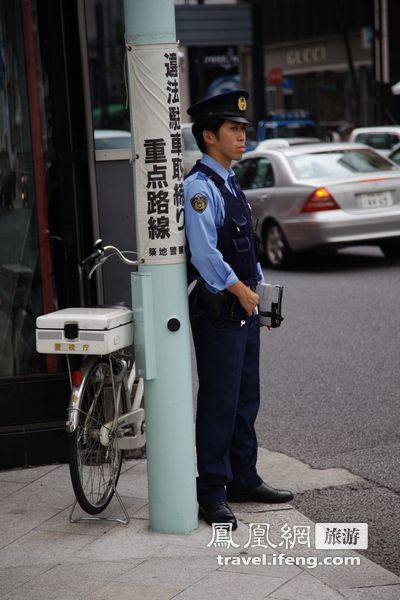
<point x="105" y="415"/>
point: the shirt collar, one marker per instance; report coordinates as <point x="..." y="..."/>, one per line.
<point x="217" y="167"/>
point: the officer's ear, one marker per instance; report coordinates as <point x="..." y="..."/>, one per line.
<point x="209" y="137"/>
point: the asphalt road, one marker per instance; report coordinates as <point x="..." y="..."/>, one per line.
<point x="331" y="388"/>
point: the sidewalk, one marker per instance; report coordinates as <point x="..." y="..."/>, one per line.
<point x="44" y="557"/>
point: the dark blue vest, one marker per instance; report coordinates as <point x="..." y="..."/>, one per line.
<point x="236" y="238"/>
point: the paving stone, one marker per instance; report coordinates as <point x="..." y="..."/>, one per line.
<point x="130" y="463"/>
<point x="285" y="572"/>
<point x="18" y="519"/>
<point x="129" y="591"/>
<point x="229" y="586"/>
<point x="179" y="549"/>
<point x="16" y="576"/>
<point x="249" y="511"/>
<point x="305" y="587"/>
<point x="27" y="475"/>
<point x="46" y="502"/>
<point x="382" y="592"/>
<point x="197" y="537"/>
<point x="174" y="572"/>
<point x="364" y="575"/>
<point x="283" y="471"/>
<point x="76" y="578"/>
<point x="42" y="548"/>
<point x="53" y="490"/>
<point x="142" y="513"/>
<point x="60" y="522"/>
<point x="113" y="511"/>
<point x="133" y="482"/>
<point x="7" y="488"/>
<point x="133" y="541"/>
<point x="41" y="592"/>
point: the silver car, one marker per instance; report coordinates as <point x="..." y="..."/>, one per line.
<point x="321" y="195"/>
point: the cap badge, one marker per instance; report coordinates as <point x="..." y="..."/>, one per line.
<point x="242" y="104"/>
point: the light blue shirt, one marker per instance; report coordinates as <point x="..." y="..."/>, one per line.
<point x="201" y="227"/>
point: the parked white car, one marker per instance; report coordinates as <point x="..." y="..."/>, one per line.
<point x="382" y="138"/>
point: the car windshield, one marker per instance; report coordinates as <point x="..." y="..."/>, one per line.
<point x="337" y="163"/>
<point x="395" y="157"/>
<point x="380" y="141"/>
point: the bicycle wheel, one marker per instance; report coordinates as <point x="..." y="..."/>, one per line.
<point x="95" y="468"/>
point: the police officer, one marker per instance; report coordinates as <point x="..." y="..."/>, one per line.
<point x="225" y="326"/>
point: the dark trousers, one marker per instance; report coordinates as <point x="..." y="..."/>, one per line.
<point x="228" y="401"/>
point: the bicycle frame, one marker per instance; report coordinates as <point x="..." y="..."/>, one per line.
<point x="134" y="417"/>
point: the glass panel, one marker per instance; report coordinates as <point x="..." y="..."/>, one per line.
<point x="240" y="169"/>
<point x="106" y="52"/>
<point x="189" y="141"/>
<point x="264" y="176"/>
<point x="380" y="141"/>
<point x="395" y="157"/>
<point x="21" y="282"/>
<point x="246" y="177"/>
<point x="338" y="164"/>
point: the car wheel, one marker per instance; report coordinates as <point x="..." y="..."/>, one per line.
<point x="276" y="249"/>
<point x="391" y="249"/>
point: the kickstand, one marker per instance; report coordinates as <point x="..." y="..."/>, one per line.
<point x="124" y="521"/>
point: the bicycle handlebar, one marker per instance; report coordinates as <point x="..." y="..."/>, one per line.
<point x="121" y="255"/>
<point x="95" y="255"/>
<point x="100" y="255"/>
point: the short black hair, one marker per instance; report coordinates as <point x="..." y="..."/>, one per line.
<point x="212" y="125"/>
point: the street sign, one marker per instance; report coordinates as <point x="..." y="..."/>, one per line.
<point x="275" y="76"/>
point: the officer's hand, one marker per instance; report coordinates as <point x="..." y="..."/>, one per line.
<point x="249" y="301"/>
<point x="247" y="298"/>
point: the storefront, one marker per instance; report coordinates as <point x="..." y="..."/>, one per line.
<point x="45" y="216"/>
<point x="319" y="74"/>
<point x="64" y="182"/>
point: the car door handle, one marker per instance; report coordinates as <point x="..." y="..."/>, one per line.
<point x="264" y="197"/>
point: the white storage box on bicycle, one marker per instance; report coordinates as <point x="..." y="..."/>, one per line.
<point x="96" y="330"/>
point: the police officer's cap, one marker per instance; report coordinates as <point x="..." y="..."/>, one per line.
<point x="230" y="106"/>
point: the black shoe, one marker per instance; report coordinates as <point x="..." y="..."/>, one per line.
<point x="218" y="512"/>
<point x="262" y="493"/>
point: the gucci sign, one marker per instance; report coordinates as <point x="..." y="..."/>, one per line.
<point x="306" y="56"/>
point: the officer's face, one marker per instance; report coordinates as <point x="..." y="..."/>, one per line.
<point x="228" y="144"/>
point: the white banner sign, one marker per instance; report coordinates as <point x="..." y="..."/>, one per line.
<point x="156" y="125"/>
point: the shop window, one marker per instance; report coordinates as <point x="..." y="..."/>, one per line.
<point x="21" y="291"/>
<point x="38" y="206"/>
<point x="106" y="53"/>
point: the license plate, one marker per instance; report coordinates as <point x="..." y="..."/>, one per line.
<point x="375" y="200"/>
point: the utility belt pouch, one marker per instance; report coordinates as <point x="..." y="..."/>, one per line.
<point x="221" y="306"/>
<point x="270" y="304"/>
<point x="234" y="311"/>
<point x="213" y="303"/>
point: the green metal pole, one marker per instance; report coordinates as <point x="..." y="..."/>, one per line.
<point x="165" y="362"/>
